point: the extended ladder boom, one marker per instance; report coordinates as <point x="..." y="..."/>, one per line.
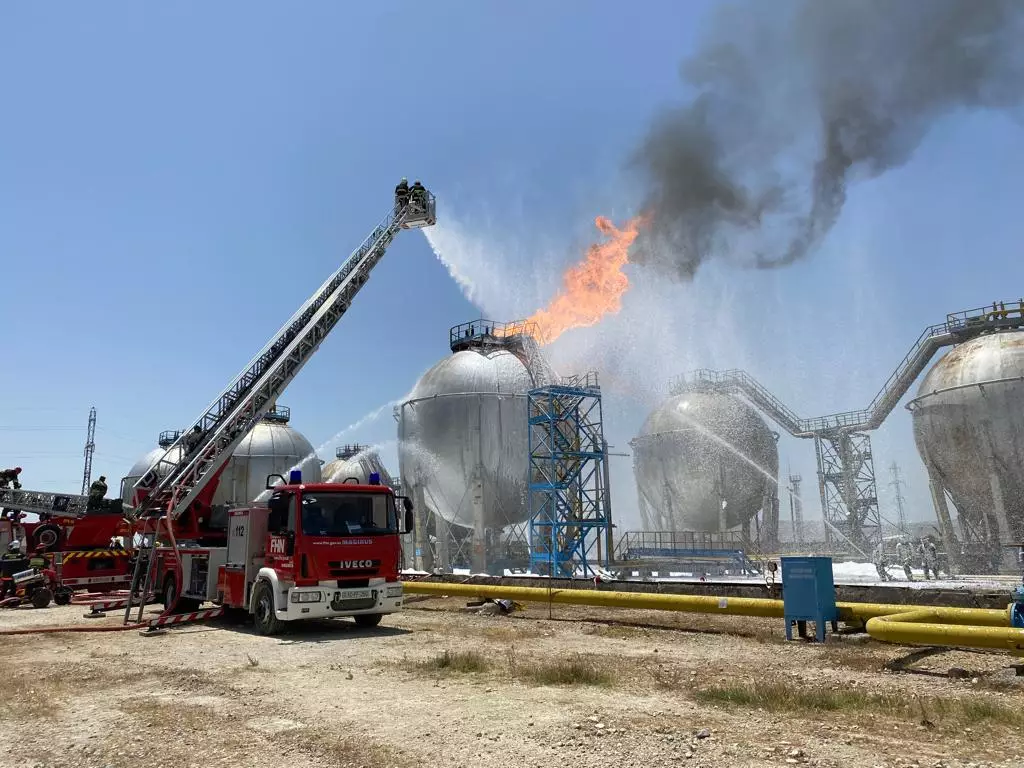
<point x="175" y="480"/>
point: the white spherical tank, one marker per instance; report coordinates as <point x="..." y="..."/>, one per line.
<point x="140" y="467"/>
<point x="358" y="461"/>
<point x="697" y="450"/>
<point x="271" y="447"/>
<point x="969" y="426"/>
<point x="463" y="434"/>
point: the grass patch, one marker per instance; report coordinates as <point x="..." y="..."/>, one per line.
<point x="669" y="677"/>
<point x="344" y="751"/>
<point x="169" y="713"/>
<point x="777" y="696"/>
<point x="859" y="658"/>
<point x="576" y="669"/>
<point x="467" y="662"/>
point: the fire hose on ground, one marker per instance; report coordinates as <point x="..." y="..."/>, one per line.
<point x="985" y="628"/>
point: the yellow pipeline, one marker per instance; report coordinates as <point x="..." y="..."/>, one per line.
<point x="904" y="624"/>
<point x="932" y="626"/>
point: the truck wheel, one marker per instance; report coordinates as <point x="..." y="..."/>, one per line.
<point x="62" y="596"/>
<point x="368" y="619"/>
<point x="41" y="597"/>
<point x="47" y="536"/>
<point x="175" y="604"/>
<point x="263" y="615"/>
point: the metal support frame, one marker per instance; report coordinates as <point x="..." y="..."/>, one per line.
<point x="90" y="449"/>
<point x="849" y="495"/>
<point x="568" y="514"/>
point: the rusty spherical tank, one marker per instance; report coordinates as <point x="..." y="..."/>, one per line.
<point x="463" y="437"/>
<point x="698" y="449"/>
<point x="969" y="425"/>
<point x="356" y="461"/>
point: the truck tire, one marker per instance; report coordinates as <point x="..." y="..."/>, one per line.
<point x="47" y="536"/>
<point x="63" y="595"/>
<point x="173" y="603"/>
<point x="41" y="597"/>
<point x="263" y="615"/>
<point x="368" y="619"/>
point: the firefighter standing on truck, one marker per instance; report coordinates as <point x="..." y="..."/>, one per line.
<point x="96" y="493"/>
<point x="9" y="478"/>
<point x="99" y="488"/>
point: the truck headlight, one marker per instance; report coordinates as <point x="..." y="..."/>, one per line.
<point x="306" y="597"/>
<point x="395" y="591"/>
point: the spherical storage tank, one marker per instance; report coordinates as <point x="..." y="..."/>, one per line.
<point x="358" y="461"/>
<point x="271" y="447"/>
<point x="683" y="472"/>
<point x="969" y="424"/>
<point x="463" y="435"/>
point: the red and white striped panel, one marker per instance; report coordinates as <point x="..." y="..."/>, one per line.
<point x="182" y="618"/>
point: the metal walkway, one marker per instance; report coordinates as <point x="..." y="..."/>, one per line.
<point x="958" y="328"/>
<point x="846" y="473"/>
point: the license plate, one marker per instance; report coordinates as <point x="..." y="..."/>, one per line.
<point x="355" y="594"/>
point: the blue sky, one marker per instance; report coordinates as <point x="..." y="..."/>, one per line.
<point x="175" y="180"/>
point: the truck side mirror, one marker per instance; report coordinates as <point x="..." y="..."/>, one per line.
<point x="270" y="479"/>
<point x="409" y="522"/>
<point x="407" y="504"/>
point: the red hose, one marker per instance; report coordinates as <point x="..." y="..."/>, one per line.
<point x="48" y="630"/>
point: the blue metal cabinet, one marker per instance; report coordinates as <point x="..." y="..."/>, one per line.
<point x="808" y="594"/>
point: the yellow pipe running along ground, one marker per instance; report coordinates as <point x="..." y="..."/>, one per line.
<point x="903" y="624"/>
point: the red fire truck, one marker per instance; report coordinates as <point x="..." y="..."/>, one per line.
<point x="315" y="551"/>
<point x="312" y="550"/>
<point x="83" y="539"/>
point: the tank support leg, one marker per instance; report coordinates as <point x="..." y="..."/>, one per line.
<point x="949" y="540"/>
<point x="999" y="507"/>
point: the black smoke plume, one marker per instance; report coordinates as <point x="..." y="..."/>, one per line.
<point x="793" y="100"/>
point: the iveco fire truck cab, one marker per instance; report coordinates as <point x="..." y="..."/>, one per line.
<point x="321" y="550"/>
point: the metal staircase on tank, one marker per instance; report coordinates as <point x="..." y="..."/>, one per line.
<point x="846" y="475"/>
<point x="164" y="496"/>
<point x="568" y="516"/>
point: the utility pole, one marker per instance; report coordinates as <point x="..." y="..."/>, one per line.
<point x="90" y="449"/>
<point x="897" y="485"/>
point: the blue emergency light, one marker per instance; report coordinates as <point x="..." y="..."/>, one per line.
<point x="375" y="478"/>
<point x="295" y="477"/>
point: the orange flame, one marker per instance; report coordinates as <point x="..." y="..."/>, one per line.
<point x="594" y="287"/>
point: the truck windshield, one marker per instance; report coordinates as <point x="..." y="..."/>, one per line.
<point x="348" y="514"/>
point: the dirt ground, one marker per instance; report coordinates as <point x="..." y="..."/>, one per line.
<point x="439" y="685"/>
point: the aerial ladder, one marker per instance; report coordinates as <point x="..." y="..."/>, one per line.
<point x="172" y="497"/>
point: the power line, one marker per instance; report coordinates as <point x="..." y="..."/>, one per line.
<point x="13" y="428"/>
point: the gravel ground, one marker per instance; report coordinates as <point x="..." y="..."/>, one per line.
<point x="330" y="694"/>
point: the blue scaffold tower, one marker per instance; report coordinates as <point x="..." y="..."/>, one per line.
<point x="567" y="501"/>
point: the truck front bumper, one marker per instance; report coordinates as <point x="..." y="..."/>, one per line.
<point x="327" y="602"/>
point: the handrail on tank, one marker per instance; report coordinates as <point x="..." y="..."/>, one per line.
<point x="482" y="332"/>
<point x="348" y="450"/>
<point x="279" y="413"/>
<point x="168" y="437"/>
